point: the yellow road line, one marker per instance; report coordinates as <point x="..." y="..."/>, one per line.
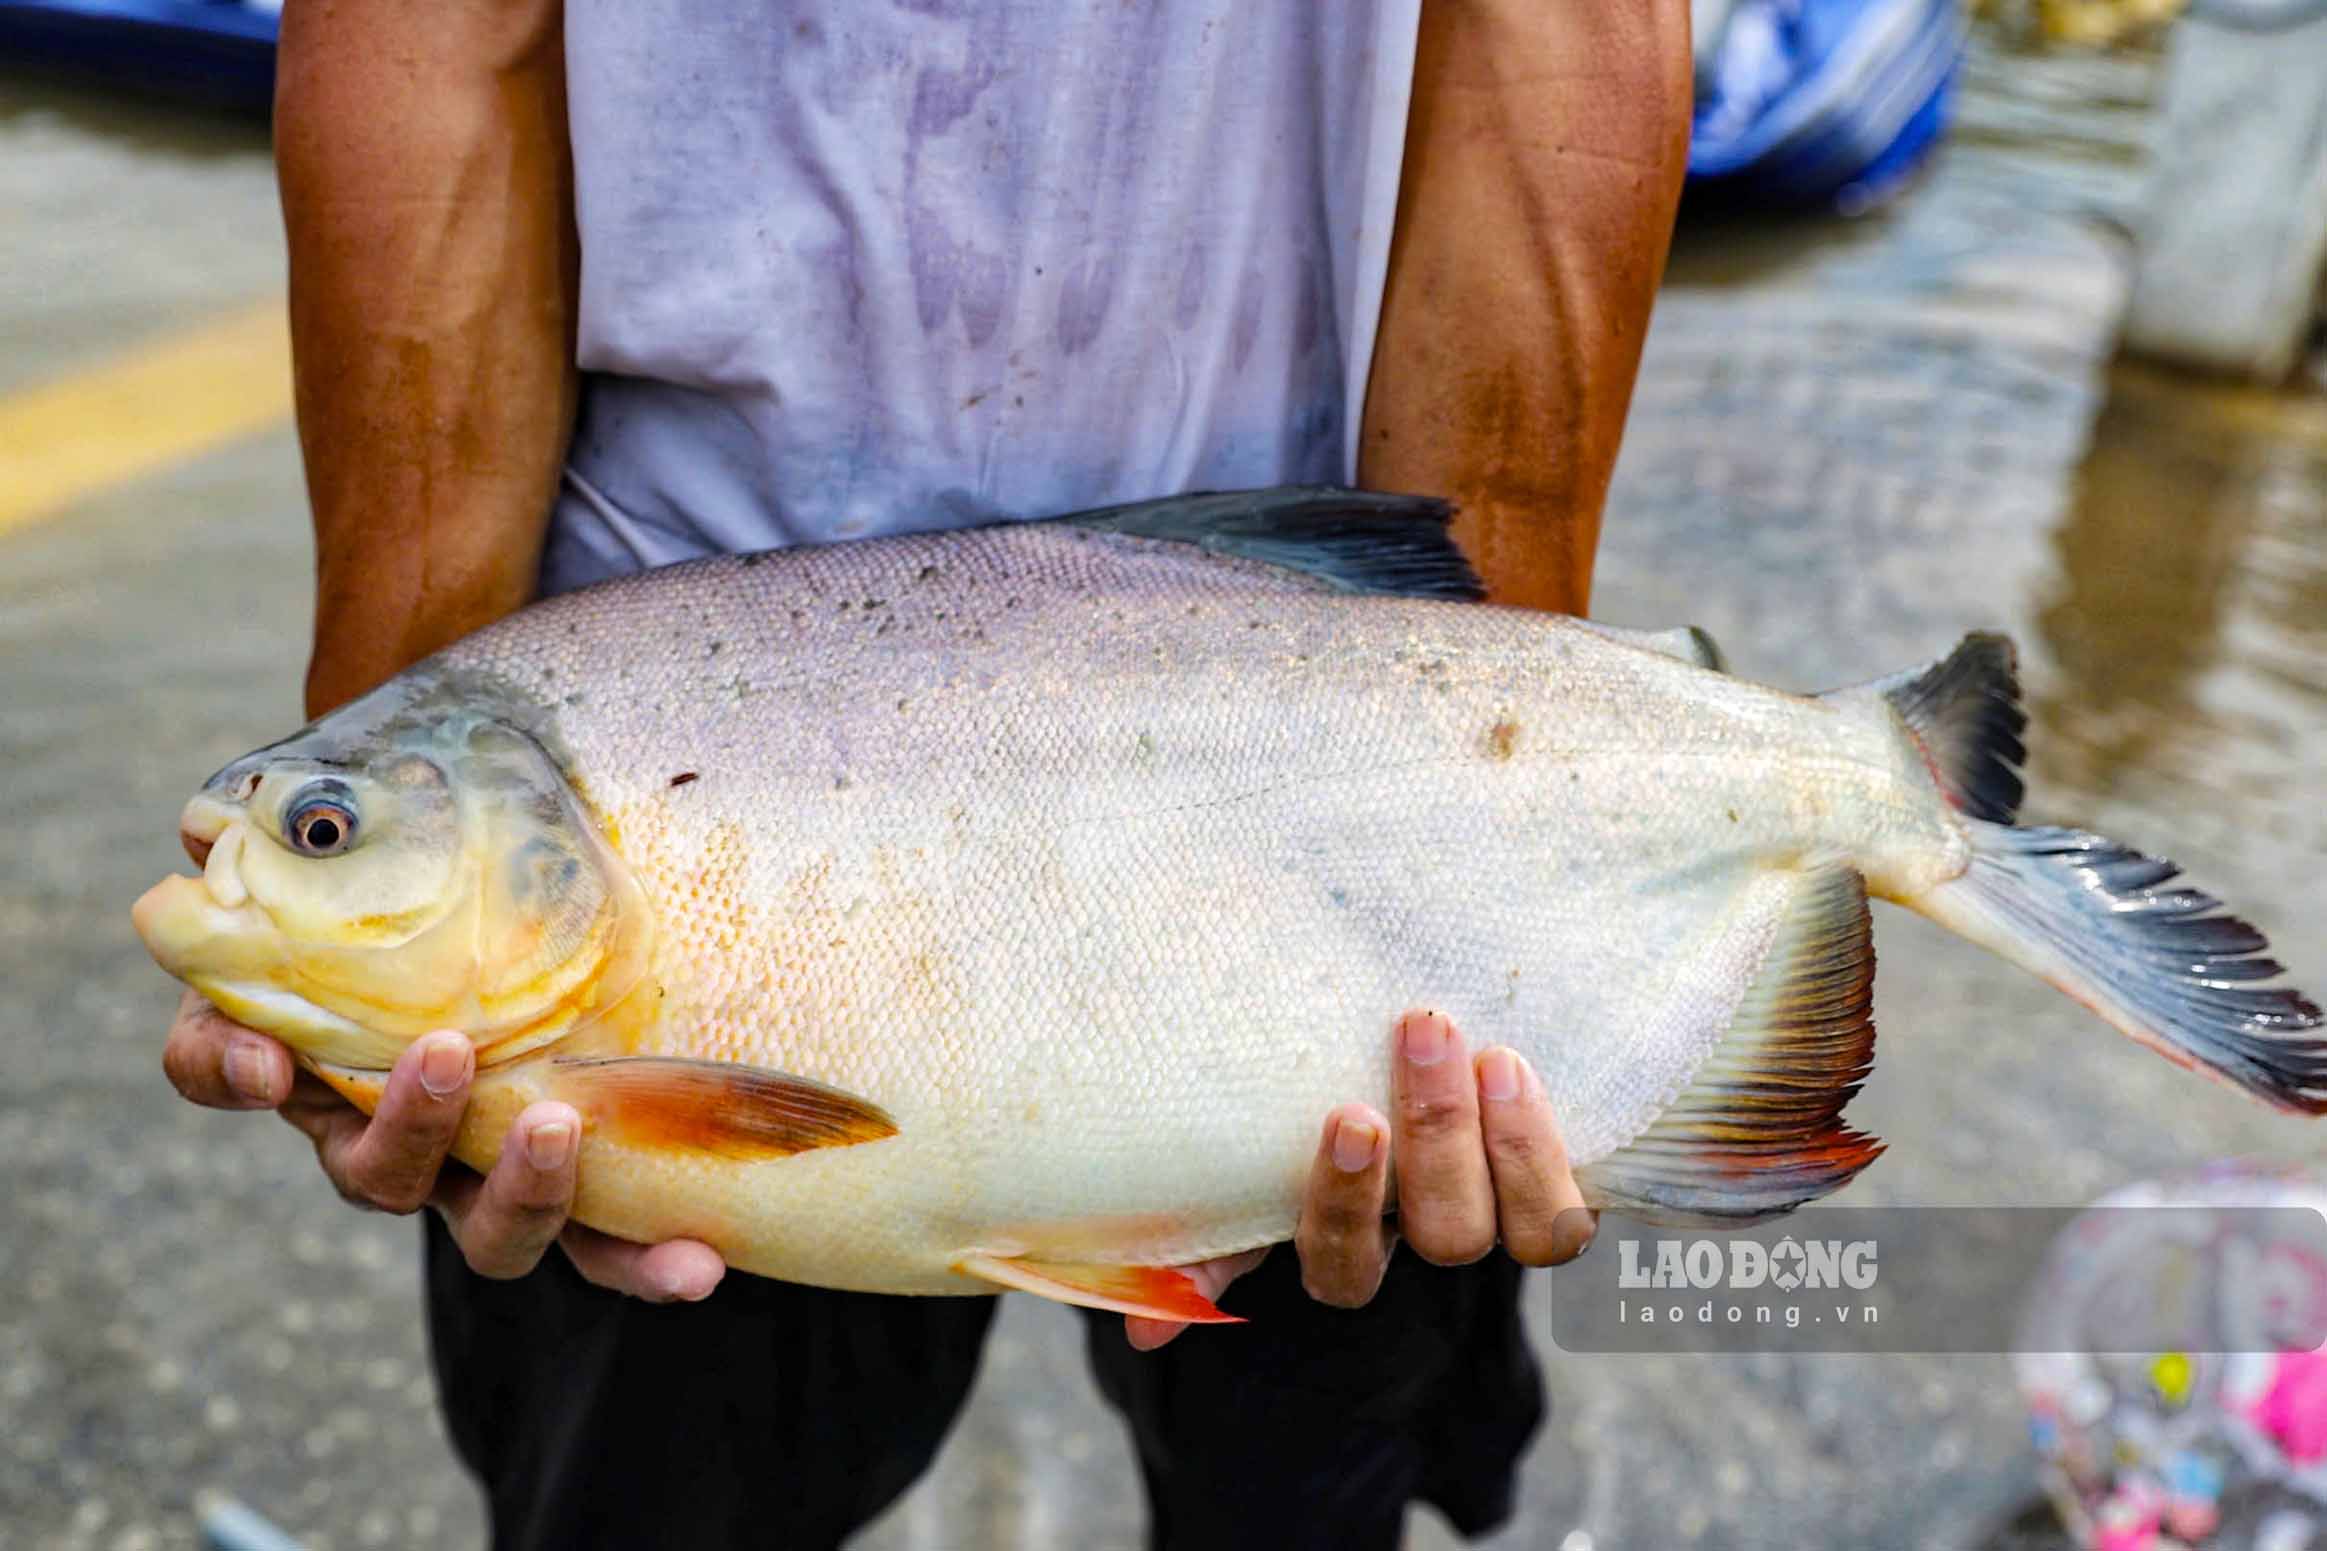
<point x="171" y="400"/>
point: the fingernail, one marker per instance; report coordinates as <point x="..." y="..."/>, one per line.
<point x="247" y="1068"/>
<point x="1578" y="1227"/>
<point x="1500" y="1078"/>
<point x="1427" y="1039"/>
<point x="673" y="1285"/>
<point x="444" y="1064"/>
<point x="548" y="1145"/>
<point x="1355" y="1145"/>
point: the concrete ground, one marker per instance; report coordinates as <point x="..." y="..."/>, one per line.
<point x="1851" y="443"/>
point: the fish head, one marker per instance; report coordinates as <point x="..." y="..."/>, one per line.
<point x="409" y="863"/>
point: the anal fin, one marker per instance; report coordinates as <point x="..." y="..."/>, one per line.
<point x="739" y="1112"/>
<point x="1759" y="1129"/>
<point x="1151" y="1292"/>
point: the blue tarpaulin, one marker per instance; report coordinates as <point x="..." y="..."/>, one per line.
<point x="220" y="51"/>
<point x="1799" y="102"/>
<point x="1820" y="102"/>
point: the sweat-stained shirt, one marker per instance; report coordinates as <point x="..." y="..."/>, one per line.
<point x="856" y="268"/>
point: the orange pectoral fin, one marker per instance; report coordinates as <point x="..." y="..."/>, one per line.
<point x="1151" y="1292"/>
<point x="738" y="1112"/>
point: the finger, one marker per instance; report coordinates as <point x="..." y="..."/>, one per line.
<point x="674" y="1271"/>
<point x="391" y="1161"/>
<point x="1538" y="1204"/>
<point x="1446" y="1198"/>
<point x="1211" y="1278"/>
<point x="215" y="1061"/>
<point x="1343" y="1243"/>
<point x="326" y="1119"/>
<point x="505" y="1221"/>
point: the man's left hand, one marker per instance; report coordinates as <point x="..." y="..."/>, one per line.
<point x="1479" y="1160"/>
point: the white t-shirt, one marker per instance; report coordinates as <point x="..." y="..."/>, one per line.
<point x="852" y="268"/>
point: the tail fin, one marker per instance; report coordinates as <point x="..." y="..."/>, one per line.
<point x="1964" y="712"/>
<point x="2164" y="965"/>
<point x="2092" y="917"/>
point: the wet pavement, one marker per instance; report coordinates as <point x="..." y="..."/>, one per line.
<point x="1852" y="442"/>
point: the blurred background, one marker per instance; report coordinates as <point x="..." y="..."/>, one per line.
<point x="2005" y="321"/>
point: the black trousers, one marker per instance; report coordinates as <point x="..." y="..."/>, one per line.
<point x="787" y="1417"/>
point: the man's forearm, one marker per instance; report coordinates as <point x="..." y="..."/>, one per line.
<point x="1544" y="154"/>
<point x="427" y="202"/>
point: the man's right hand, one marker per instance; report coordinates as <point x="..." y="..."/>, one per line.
<point x="394" y="1160"/>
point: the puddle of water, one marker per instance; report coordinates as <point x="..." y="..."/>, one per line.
<point x="2188" y="625"/>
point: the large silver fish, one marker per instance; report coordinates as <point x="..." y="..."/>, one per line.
<point x="874" y="904"/>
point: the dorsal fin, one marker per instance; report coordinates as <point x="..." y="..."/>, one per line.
<point x="1759" y="1129"/>
<point x="1355" y="540"/>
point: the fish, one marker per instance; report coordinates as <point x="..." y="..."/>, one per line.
<point x="1004" y="908"/>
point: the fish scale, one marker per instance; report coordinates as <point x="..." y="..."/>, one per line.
<point x="1009" y="907"/>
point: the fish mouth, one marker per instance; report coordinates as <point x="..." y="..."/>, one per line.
<point x="186" y="927"/>
<point x="232" y="955"/>
<point x="222" y="867"/>
<point x="205" y="819"/>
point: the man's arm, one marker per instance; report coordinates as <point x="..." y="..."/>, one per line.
<point x="1544" y="154"/>
<point x="427" y="204"/>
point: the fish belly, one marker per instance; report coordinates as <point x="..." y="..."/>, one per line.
<point x="1107" y="886"/>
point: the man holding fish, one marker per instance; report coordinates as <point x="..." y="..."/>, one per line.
<point x="580" y="289"/>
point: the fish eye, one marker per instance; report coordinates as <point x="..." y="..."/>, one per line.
<point x="322" y="821"/>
